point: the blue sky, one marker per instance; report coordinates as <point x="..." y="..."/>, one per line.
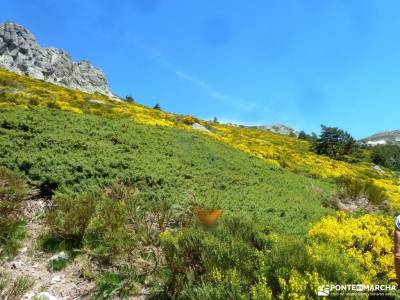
<point x="301" y="63"/>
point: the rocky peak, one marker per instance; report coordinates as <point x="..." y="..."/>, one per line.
<point x="384" y="137"/>
<point x="279" y="128"/>
<point x="20" y="53"/>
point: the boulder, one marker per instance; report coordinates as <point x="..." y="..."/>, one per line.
<point x="200" y="127"/>
<point x="60" y="256"/>
<point x="378" y="169"/>
<point x="45" y="296"/>
<point x="96" y="101"/>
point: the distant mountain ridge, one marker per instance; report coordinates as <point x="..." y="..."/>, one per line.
<point x="383" y="137"/>
<point x="20" y="53"/>
<point x="278" y="128"/>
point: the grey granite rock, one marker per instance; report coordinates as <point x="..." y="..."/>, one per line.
<point x="45" y="296"/>
<point x="20" y="53"/>
<point x="200" y="127"/>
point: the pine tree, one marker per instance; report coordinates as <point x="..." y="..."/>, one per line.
<point x="129" y="98"/>
<point x="334" y="142"/>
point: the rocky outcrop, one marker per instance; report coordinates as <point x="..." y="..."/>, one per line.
<point x="383" y="138"/>
<point x="200" y="127"/>
<point x="20" y="53"/>
<point x="278" y="128"/>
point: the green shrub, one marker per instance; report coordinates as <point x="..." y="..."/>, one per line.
<point x="375" y="194"/>
<point x="195" y="255"/>
<point x="387" y="156"/>
<point x="20" y="286"/>
<point x="237" y="260"/>
<point x="111" y="285"/>
<point x="106" y="235"/>
<point x="53" y="104"/>
<point x="70" y="215"/>
<point x="189" y="120"/>
<point x="109" y="224"/>
<point x="120" y="191"/>
<point x="353" y="188"/>
<point x="291" y="259"/>
<point x="13" y="192"/>
<point x="231" y="285"/>
<point x="57" y="264"/>
<point x="33" y="100"/>
<point x="52" y="244"/>
<point x="12" y="232"/>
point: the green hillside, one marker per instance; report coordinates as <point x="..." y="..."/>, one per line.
<point x="134" y="195"/>
<point x="55" y="150"/>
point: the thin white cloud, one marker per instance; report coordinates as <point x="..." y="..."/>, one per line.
<point x="214" y="93"/>
<point x="246" y="112"/>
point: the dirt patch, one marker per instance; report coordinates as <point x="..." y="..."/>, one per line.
<point x="65" y="284"/>
<point x="358" y="204"/>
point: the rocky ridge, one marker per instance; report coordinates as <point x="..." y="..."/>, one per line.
<point x="383" y="137"/>
<point x="20" y="53"/>
<point x="278" y="128"/>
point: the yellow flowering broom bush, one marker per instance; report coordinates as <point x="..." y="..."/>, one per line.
<point x="367" y="238"/>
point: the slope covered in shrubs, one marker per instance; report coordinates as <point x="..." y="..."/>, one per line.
<point x="123" y="181"/>
<point x="285" y="151"/>
<point x="55" y="150"/>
